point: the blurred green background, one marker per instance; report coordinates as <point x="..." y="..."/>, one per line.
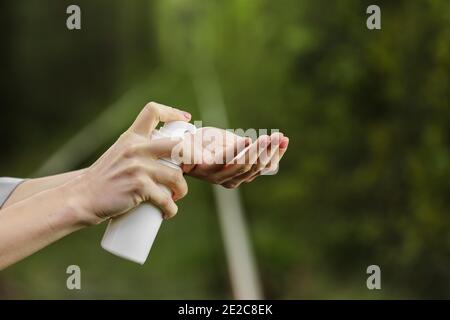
<point x="366" y="179"/>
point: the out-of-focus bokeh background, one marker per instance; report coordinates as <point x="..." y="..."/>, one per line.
<point x="366" y="179"/>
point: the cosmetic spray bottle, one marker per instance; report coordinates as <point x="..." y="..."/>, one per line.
<point x="131" y="235"/>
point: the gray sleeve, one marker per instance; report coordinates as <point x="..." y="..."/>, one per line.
<point x="7" y="186"/>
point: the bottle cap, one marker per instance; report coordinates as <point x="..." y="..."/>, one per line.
<point x="175" y="129"/>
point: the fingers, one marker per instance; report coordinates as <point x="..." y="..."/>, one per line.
<point x="152" y="114"/>
<point x="170" y="177"/>
<point x="264" y="161"/>
<point x="244" y="161"/>
<point x="161" y="198"/>
<point x="235" y="149"/>
<point x="141" y="157"/>
<point x="283" y="146"/>
<point x="163" y="148"/>
<point x="193" y="152"/>
<point x="255" y="150"/>
<point x="228" y="153"/>
<point x="265" y="158"/>
<point x="154" y="149"/>
<point x="224" y="145"/>
<point x="173" y="179"/>
<point x="276" y="158"/>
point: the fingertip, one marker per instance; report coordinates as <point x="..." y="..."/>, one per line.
<point x="284" y="143"/>
<point x="275" y="138"/>
<point x="170" y="215"/>
<point x="182" y="115"/>
<point x="186" y="115"/>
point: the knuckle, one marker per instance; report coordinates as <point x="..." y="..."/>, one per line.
<point x="136" y="200"/>
<point x="125" y="135"/>
<point x="128" y="137"/>
<point x="165" y="202"/>
<point x="127" y="172"/>
<point x="134" y="166"/>
<point x="176" y="177"/>
<point x="180" y="178"/>
<point x="135" y="169"/>
<point x="139" y="185"/>
<point x="184" y="190"/>
<point x="151" y="107"/>
<point x="130" y="151"/>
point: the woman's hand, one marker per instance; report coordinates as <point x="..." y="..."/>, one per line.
<point x="263" y="154"/>
<point x="129" y="173"/>
<point x="126" y="175"/>
<point x="223" y="159"/>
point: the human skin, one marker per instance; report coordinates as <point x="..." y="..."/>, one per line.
<point x="264" y="152"/>
<point x="123" y="177"/>
<point x="41" y="211"/>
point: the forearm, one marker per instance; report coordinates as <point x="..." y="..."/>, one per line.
<point x="38" y="221"/>
<point x="33" y="186"/>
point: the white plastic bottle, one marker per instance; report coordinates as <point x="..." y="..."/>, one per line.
<point x="131" y="235"/>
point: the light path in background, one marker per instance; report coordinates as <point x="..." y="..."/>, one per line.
<point x="99" y="131"/>
<point x="87" y="141"/>
<point x="245" y="281"/>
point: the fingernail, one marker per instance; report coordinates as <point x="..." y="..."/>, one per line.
<point x="284" y="143"/>
<point x="187" y="115"/>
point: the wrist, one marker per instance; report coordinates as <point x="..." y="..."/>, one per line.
<point x="76" y="199"/>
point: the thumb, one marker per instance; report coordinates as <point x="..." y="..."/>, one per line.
<point x="164" y="147"/>
<point x="152" y="114"/>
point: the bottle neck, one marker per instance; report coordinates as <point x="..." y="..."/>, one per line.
<point x="170" y="163"/>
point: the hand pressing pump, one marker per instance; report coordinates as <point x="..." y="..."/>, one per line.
<point x="131" y="236"/>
